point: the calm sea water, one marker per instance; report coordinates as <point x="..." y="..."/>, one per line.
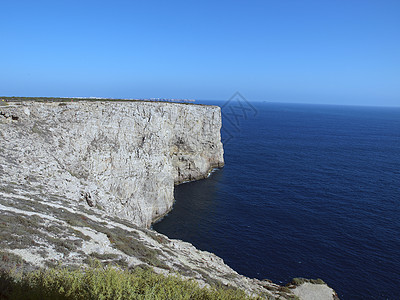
<point x="307" y="191"/>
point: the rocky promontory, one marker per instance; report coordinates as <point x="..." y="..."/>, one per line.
<point x="124" y="157"/>
<point x="86" y="179"/>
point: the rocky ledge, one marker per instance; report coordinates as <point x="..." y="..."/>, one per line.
<point x="82" y="180"/>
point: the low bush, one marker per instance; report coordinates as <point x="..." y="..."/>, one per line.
<point x="299" y="281"/>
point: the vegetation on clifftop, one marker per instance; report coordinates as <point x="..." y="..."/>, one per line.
<point x="5" y="99"/>
<point x="99" y="282"/>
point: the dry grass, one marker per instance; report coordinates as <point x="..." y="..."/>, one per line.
<point x="99" y="282"/>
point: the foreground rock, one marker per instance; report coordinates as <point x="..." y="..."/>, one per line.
<point x="311" y="291"/>
<point x="85" y="180"/>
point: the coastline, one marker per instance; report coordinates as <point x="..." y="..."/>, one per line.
<point x="84" y="180"/>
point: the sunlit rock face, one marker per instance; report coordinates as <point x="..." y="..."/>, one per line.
<point x="124" y="157"/>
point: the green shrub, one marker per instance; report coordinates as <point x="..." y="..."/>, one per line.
<point x="299" y="281"/>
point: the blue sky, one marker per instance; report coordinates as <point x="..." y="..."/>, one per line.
<point x="342" y="51"/>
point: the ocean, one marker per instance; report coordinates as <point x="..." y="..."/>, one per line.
<point x="307" y="191"/>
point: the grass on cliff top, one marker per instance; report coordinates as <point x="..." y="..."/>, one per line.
<point x="70" y="99"/>
<point x="99" y="282"/>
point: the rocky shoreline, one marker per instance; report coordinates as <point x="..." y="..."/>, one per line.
<point x="86" y="179"/>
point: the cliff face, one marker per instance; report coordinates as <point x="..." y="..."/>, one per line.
<point x="122" y="156"/>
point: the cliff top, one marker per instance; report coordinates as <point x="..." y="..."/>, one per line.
<point x="5" y="99"/>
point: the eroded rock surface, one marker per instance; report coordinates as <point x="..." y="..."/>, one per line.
<point x="122" y="156"/>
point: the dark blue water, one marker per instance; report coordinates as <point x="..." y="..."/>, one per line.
<point x="307" y="191"/>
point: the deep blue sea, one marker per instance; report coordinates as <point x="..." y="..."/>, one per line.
<point x="307" y="191"/>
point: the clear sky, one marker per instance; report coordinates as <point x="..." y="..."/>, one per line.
<point x="337" y="51"/>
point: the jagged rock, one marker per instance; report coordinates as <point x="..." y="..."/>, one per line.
<point x="86" y="196"/>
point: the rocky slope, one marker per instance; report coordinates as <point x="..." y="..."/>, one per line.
<point x="86" y="179"/>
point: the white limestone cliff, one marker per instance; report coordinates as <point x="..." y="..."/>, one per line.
<point x="123" y="156"/>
